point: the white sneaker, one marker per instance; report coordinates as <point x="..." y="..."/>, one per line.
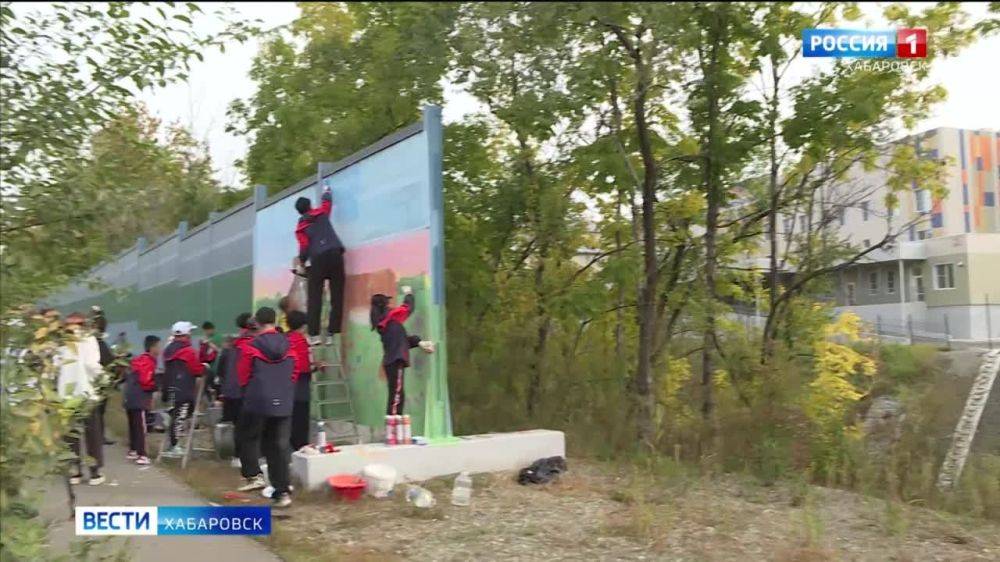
<point x="315" y="341"/>
<point x="252" y="483"/>
<point x="131" y="455"/>
<point x="76" y="479"/>
<point x="427" y="346"/>
<point x="174" y="452"/>
<point x="235" y="463"/>
<point x="267" y="492"/>
<point x="142" y="460"/>
<point x="96" y="480"/>
<point x="284" y="500"/>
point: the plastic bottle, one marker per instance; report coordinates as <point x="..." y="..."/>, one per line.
<point x="461" y="494"/>
<point x="419" y="497"/>
<point x="320" y="437"/>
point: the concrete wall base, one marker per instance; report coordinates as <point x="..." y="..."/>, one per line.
<point x="492" y="452"/>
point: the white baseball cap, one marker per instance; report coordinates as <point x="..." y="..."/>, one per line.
<point x="182" y="328"/>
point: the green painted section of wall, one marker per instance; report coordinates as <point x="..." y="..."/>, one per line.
<point x="219" y="299"/>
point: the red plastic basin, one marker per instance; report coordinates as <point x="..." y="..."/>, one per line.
<point x="347" y="486"/>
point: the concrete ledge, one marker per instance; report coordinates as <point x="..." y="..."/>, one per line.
<point x="492" y="452"/>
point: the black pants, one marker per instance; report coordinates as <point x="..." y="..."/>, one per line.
<point x="231" y="413"/>
<point x="178" y="416"/>
<point x="93" y="434"/>
<point x="137" y="431"/>
<point x="300" y="425"/>
<point x="327" y="268"/>
<point x="395" y="384"/>
<point x="270" y="436"/>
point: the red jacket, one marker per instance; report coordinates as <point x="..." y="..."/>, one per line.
<point x="310" y="218"/>
<point x="243" y="363"/>
<point x="184" y="353"/>
<point x="248" y="353"/>
<point x="300" y="349"/>
<point x="145" y="366"/>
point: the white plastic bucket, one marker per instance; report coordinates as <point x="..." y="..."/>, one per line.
<point x="379" y="479"/>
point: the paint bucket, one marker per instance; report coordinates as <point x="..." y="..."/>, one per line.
<point x="347" y="487"/>
<point x="379" y="479"/>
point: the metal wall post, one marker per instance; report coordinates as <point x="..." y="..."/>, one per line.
<point x="909" y="327"/>
<point x="947" y="331"/>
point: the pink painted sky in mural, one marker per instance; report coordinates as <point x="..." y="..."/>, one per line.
<point x="407" y="254"/>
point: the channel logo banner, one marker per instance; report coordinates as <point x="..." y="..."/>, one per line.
<point x="865" y="43"/>
<point x="173" y="520"/>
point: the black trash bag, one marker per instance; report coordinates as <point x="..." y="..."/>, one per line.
<point x="542" y="471"/>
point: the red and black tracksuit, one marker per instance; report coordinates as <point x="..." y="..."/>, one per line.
<point x="396" y="345"/>
<point x="303" y="370"/>
<point x="181" y="366"/>
<point x="229" y="384"/>
<point x="140" y="382"/>
<point x="267" y="375"/>
<point x="320" y="245"/>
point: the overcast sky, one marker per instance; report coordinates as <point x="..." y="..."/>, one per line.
<point x="971" y="80"/>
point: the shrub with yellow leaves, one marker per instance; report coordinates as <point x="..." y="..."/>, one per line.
<point x="842" y="377"/>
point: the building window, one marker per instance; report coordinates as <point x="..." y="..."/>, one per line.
<point x="924" y="235"/>
<point x="918" y="283"/>
<point x="989" y="199"/>
<point x="864" y="210"/>
<point x="890" y="282"/>
<point x="944" y="276"/>
<point x="873" y="283"/>
<point x="923" y="201"/>
<point x="866" y="243"/>
<point x="979" y="162"/>
<point x="937" y="220"/>
<point x="789" y="223"/>
<point x="850" y="294"/>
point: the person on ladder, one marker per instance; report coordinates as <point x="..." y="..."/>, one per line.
<point x="322" y="248"/>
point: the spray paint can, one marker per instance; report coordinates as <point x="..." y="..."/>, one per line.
<point x="399" y="430"/>
<point x="320" y="436"/>
<point x="407" y="430"/>
<point x="390" y="430"/>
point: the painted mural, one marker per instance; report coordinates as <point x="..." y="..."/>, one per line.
<point x="385" y="210"/>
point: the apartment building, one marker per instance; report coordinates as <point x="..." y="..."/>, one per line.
<point x="942" y="274"/>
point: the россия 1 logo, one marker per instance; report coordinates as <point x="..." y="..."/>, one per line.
<point x="909" y="43"/>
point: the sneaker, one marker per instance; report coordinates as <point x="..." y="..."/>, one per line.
<point x="109" y="441"/>
<point x="315" y="341"/>
<point x="142" y="460"/>
<point x="76" y="479"/>
<point x="235" y="463"/>
<point x="131" y="455"/>
<point x="96" y="480"/>
<point x="175" y="452"/>
<point x="427" y="346"/>
<point x="284" y="500"/>
<point x="252" y="483"/>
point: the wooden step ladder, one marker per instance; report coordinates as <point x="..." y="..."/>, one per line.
<point x="331" y="406"/>
<point x="191" y="428"/>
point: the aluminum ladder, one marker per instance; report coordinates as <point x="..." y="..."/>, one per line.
<point x="190" y="428"/>
<point x="331" y="406"/>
